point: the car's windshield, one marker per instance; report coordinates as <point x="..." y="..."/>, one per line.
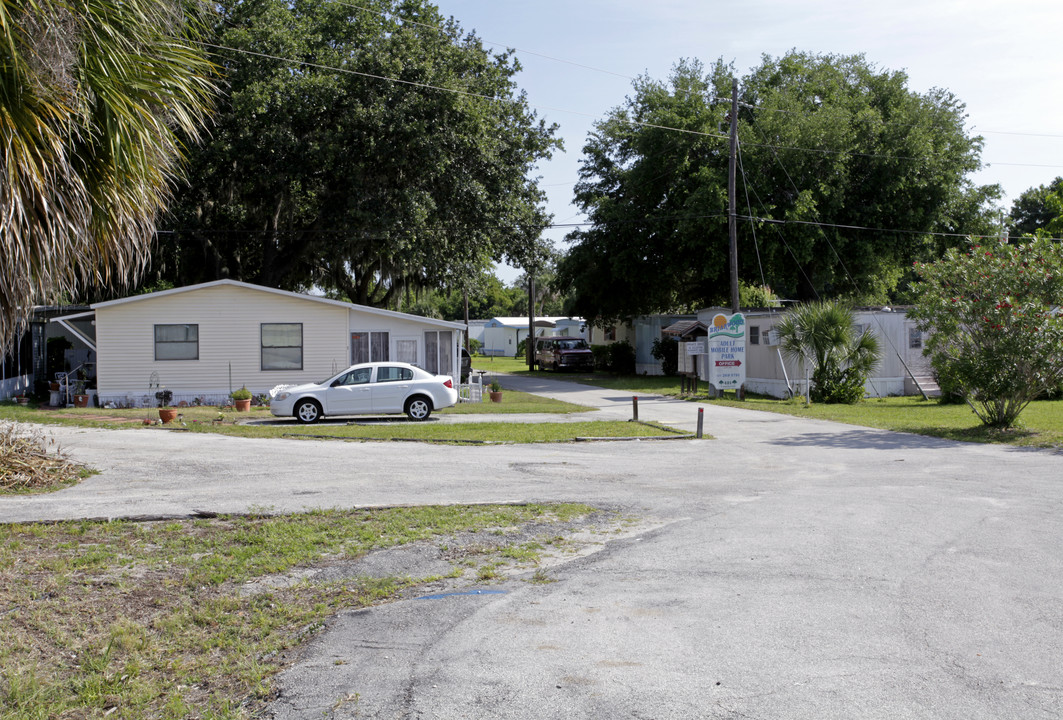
<point x="572" y="345"/>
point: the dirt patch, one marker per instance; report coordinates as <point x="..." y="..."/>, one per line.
<point x="457" y="560"/>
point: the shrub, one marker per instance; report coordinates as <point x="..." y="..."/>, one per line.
<point x="601" y="356"/>
<point x="996" y="334"/>
<point x="831" y="384"/>
<point x="622" y="358"/>
<point x="667" y="351"/>
<point x="822" y="334"/>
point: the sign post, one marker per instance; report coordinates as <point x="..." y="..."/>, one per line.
<point x="727" y="352"/>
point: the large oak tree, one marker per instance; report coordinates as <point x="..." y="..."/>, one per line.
<point x="845" y="174"/>
<point x="364" y="149"/>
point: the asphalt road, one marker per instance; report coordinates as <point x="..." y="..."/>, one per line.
<point x="798" y="569"/>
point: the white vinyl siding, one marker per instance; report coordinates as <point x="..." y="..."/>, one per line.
<point x="229" y="320"/>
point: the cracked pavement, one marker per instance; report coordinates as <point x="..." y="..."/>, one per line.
<point x="795" y="569"/>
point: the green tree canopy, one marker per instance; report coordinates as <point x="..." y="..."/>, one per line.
<point x="488" y="298"/>
<point x="846" y="170"/>
<point x="996" y="332"/>
<point x="93" y="96"/>
<point x="1039" y="208"/>
<point x="365" y="149"/>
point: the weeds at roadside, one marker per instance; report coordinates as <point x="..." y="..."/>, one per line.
<point x="133" y="620"/>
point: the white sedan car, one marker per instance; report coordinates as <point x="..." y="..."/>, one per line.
<point x="366" y="389"/>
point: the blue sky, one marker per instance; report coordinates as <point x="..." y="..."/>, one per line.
<point x="1002" y="59"/>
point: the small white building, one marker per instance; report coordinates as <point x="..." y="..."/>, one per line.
<point x="902" y="369"/>
<point x="476" y="330"/>
<point x="503" y="334"/>
<point x="202" y="341"/>
<point x="639" y="332"/>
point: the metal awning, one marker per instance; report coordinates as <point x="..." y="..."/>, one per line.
<point x="686" y="328"/>
<point x="69" y="327"/>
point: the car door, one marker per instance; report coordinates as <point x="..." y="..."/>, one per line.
<point x="350" y="394"/>
<point x="390" y="388"/>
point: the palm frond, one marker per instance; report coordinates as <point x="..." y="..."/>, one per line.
<point x="95" y="99"/>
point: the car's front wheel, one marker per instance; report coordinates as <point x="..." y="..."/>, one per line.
<point x="307" y="411"/>
<point x="418" y="408"/>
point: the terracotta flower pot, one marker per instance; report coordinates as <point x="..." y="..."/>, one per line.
<point x="81" y="401"/>
<point x="495" y="396"/>
<point x="167" y="415"/>
<point x="242" y="405"/>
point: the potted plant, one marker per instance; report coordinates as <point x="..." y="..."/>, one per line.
<point x="495" y="390"/>
<point x="166" y="413"/>
<point x="81" y="398"/>
<point x="242" y="399"/>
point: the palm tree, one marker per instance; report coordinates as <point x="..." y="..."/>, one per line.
<point x="822" y="335"/>
<point x="96" y="100"/>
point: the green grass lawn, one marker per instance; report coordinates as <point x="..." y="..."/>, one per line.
<point x="228" y="422"/>
<point x="194" y="618"/>
<point x="1040" y="425"/>
<point x="634" y="384"/>
<point x="515" y="401"/>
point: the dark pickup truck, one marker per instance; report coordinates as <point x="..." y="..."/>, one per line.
<point x="563" y="353"/>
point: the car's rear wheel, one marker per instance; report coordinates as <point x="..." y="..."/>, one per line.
<point x="418" y="408"/>
<point x="307" y="411"/>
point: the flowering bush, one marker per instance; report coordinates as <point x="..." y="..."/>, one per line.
<point x="996" y="333"/>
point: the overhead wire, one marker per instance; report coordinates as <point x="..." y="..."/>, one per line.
<point x="623" y="118"/>
<point x="760" y="262"/>
<point x="856" y="286"/>
<point x="429" y="86"/>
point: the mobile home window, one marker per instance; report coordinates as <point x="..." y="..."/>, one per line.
<point x="438" y="345"/>
<point x="915" y="338"/>
<point x="177" y="342"/>
<point x="754" y="334"/>
<point x="282" y="346"/>
<point x="370" y="347"/>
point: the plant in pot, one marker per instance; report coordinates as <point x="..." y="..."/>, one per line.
<point x="166" y="413"/>
<point x="242" y="399"/>
<point x="81" y="398"/>
<point x="495" y="390"/>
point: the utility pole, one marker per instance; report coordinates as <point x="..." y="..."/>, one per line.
<point x="529" y="348"/>
<point x="466" y="293"/>
<point x="732" y="221"/>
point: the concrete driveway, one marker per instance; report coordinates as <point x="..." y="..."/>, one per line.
<point x="799" y="570"/>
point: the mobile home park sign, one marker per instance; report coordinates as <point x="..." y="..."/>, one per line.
<point x="727" y="351"/>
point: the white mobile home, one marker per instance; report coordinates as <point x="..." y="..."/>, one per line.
<point x="202" y="341"/>
<point x="503" y="334"/>
<point x="903" y="369"/>
<point x="639" y="332"/>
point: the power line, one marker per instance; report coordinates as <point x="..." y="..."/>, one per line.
<point x="508" y="46"/>
<point x="1025" y="134"/>
<point x="465" y="93"/>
